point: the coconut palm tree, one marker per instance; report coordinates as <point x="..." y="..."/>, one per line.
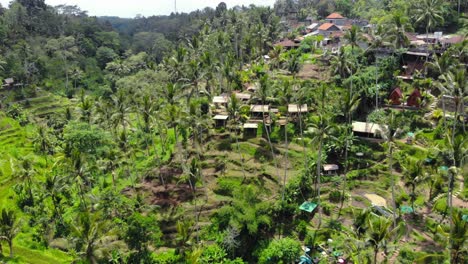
<point x="353" y="36"/>
<point x="341" y="64"/>
<point x="234" y="121"/>
<point x="285" y="97"/>
<point x="321" y="128"/>
<point x="390" y="130"/>
<point x="93" y="237"/>
<point x="429" y="13"/>
<point x="413" y="173"/>
<point x="379" y="233"/>
<point x="263" y="94"/>
<point x="9" y="227"/>
<point x="455" y="85"/>
<point x="397" y="27"/>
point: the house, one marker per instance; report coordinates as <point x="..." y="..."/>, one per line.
<point x="312" y="27"/>
<point x="330" y="169"/>
<point x="396" y="96"/>
<point x="414" y="99"/>
<point x="9" y="83"/>
<point x="288" y="44"/>
<point x="250" y="129"/>
<point x="257" y="111"/>
<point x="326" y="29"/>
<point x="220" y="120"/>
<point x="244" y="97"/>
<point x="337" y="19"/>
<point x="220" y="100"/>
<point x="366" y="129"/>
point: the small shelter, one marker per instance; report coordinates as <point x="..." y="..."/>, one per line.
<point x="295" y="109"/>
<point x="256" y="111"/>
<point x="396" y="96"/>
<point x="220" y="120"/>
<point x="330" y="169"/>
<point x="365" y="129"/>
<point x="244" y="97"/>
<point x="288" y="44"/>
<point x="414" y="99"/>
<point x="10" y="83"/>
<point x="250" y="129"/>
<point x="220" y="100"/>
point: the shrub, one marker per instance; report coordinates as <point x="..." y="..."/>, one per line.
<point x="285" y="250"/>
<point x="226" y="186"/>
<point x="335" y="196"/>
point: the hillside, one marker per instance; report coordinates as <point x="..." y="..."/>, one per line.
<point x="311" y="132"/>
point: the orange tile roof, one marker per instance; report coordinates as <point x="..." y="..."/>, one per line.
<point x="326" y="26"/>
<point x="335" y="16"/>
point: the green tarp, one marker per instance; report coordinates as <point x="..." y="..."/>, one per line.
<point x="465" y="218"/>
<point x="308" y="207"/>
<point x="406" y="209"/>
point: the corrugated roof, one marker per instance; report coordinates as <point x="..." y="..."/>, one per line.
<point x="335" y="16"/>
<point x="220" y="117"/>
<point x="220" y="100"/>
<point x="365" y="127"/>
<point x="330" y="167"/>
<point x="294" y="108"/>
<point x="251" y="125"/>
<point x="259" y="108"/>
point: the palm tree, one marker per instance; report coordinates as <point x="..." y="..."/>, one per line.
<point x="85" y="108"/>
<point x="121" y="110"/>
<point x="263" y="94"/>
<point x="413" y="173"/>
<point x="353" y="36"/>
<point x="93" y="237"/>
<point x="341" y="64"/>
<point x="234" y="121"/>
<point x="429" y="12"/>
<point x="276" y="57"/>
<point x="379" y="233"/>
<point x="397" y="28"/>
<point x="390" y="127"/>
<point x="285" y="99"/>
<point x="321" y="128"/>
<point x="9" y="227"/>
<point x="455" y="85"/>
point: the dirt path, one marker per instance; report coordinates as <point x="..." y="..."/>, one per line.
<point x="376" y="199"/>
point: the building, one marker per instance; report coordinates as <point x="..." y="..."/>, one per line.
<point x="366" y="129"/>
<point x="337" y="19"/>
<point x="414" y="99"/>
<point x="288" y="44"/>
<point x="330" y="169"/>
<point x="220" y="120"/>
<point x="326" y="29"/>
<point x="250" y="130"/>
<point x="295" y="109"/>
<point x="396" y="96"/>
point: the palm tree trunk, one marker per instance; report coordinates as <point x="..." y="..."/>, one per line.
<point x="10" y="245"/>
<point x="376" y="251"/>
<point x="269" y="143"/>
<point x="393" y="183"/>
<point x="286" y="146"/>
<point x="318" y="182"/>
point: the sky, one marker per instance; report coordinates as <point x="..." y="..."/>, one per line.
<point x="130" y="8"/>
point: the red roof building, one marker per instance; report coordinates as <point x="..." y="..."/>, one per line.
<point x="335" y="16"/>
<point x="414" y="99"/>
<point x="396" y="96"/>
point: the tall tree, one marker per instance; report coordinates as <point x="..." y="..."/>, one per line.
<point x="9" y="227"/>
